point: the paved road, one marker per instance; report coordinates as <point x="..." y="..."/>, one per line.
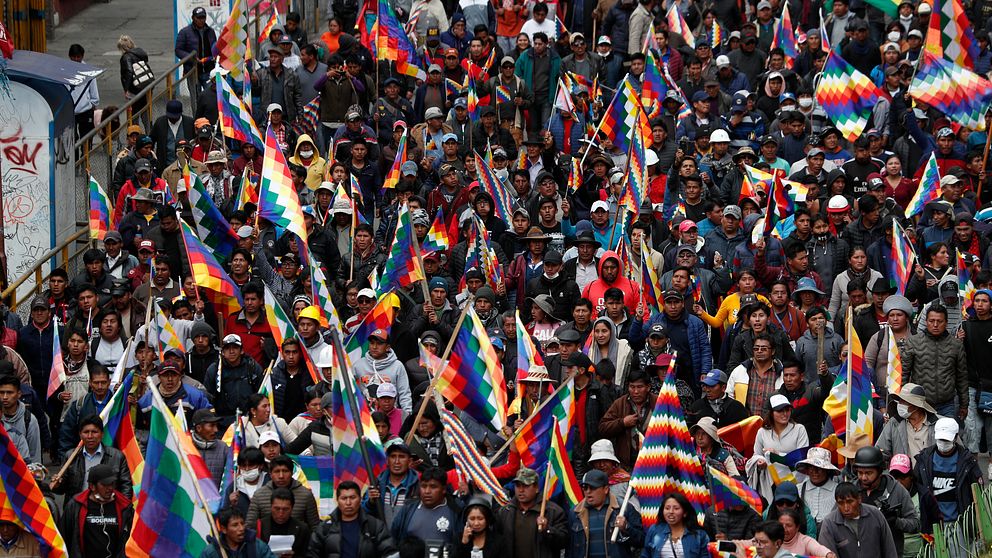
<point x="97" y="28"/>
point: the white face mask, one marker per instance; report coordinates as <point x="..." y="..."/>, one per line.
<point x="306" y="154"/>
<point x="251" y="475"/>
<point x="944" y="446"/>
<point x="902" y="410"/>
<point x="894" y="37"/>
<point x="551" y="277"/>
<point x="806" y="102"/>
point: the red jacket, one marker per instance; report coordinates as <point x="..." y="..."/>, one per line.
<point x="124" y="205"/>
<point x="252" y="335"/>
<point x="594" y="291"/>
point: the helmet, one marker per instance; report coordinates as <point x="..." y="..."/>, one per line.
<point x="311" y="312"/>
<point x="869" y="457"/>
<point x="838" y="203"/>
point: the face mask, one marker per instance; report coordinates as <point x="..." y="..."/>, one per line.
<point x="806" y="102"/>
<point x="250" y="476"/>
<point x="821" y="237"/>
<point x="306" y="154"/>
<point x="944" y="446"/>
<point x="902" y="410"/>
<point x="893" y="37"/>
<point x="552" y="277"/>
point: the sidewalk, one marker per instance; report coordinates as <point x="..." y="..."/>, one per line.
<point x="97" y="28"/>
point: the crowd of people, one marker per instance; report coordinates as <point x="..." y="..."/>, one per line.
<point x="753" y="324"/>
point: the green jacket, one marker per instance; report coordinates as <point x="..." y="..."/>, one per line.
<point x="525" y="71"/>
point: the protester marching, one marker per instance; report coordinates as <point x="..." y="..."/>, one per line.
<point x="467" y="279"/>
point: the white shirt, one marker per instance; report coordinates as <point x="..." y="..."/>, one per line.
<point x="85" y="98"/>
<point x="547" y="27"/>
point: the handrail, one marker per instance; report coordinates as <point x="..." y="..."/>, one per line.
<point x="10" y="293"/>
<point x="124" y="108"/>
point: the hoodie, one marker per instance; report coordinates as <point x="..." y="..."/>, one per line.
<point x="594" y="291"/>
<point x="23" y="430"/>
<point x="370" y="371"/>
<point x="743" y="254"/>
<point x="954" y="315"/>
<point x="315" y="170"/>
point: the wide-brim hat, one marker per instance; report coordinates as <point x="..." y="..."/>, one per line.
<point x="913" y="394"/>
<point x="537" y="374"/>
<point x="535" y="233"/>
<point x="546" y="303"/>
<point x="144" y="194"/>
<point x="707" y="425"/>
<point x="819" y="458"/>
<point x="588" y="237"/>
<point x="216" y="156"/>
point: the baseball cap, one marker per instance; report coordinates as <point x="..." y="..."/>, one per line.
<point x="449" y="137"/>
<point x="367" y="293"/>
<point x="595" y="479"/>
<point x="526" y="476"/>
<point x="387" y="389"/>
<point x="600" y="204"/>
<point x="714" y="377"/>
<point x="901" y="463"/>
<point x="946" y="429"/>
<point x="778" y="402"/>
<point x="101" y="474"/>
<point x="146" y="245"/>
<point x="379" y="334"/>
<point x="657" y="330"/>
<point x="398" y="445"/>
<point x="273" y="107"/>
<point x="687" y="225"/>
<point x="245" y="231"/>
<point x="733" y="211"/>
<point x="268" y="436"/>
<point x="232" y="339"/>
<point x="408" y="168"/>
<point x="199" y="12"/>
<point x="604" y="40"/>
<point x="203" y="416"/>
<point x="722" y="61"/>
<point x="433" y="112"/>
<point x="169" y="368"/>
<point x="39" y="302"/>
<point x="672" y="294"/>
<point x="142" y="165"/>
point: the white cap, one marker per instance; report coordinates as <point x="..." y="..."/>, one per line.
<point x="722" y="60"/>
<point x="719" y="135"/>
<point x="231" y="339"/>
<point x="946" y="429"/>
<point x="367" y="292"/>
<point x="651" y="157"/>
<point x="387" y="389"/>
<point x="779" y="401"/>
<point x="274" y="106"/>
<point x="600" y="204"/>
<point x="245" y="231"/>
<point x="268" y="436"/>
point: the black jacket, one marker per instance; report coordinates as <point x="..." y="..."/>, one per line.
<point x="967" y="473"/>
<point x="562" y="289"/>
<point x="160" y="135"/>
<point x="807" y="404"/>
<point x="74" y="480"/>
<point x="732" y="412"/>
<point x="299" y="530"/>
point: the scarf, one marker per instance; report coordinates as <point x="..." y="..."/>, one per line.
<point x="611" y="353"/>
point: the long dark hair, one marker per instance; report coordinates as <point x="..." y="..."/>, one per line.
<point x="689" y="519"/>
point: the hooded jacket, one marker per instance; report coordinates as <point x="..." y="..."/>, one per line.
<point x="74" y="522"/>
<point x="24" y="431"/>
<point x="315" y="171"/>
<point x="954" y="315"/>
<point x="806" y="351"/>
<point x="304" y="508"/>
<point x="594" y="291"/>
<point x="369" y="371"/>
<point x="743" y="254"/>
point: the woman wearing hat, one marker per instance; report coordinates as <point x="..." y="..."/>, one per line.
<point x="779" y="434"/>
<point x="817" y="490"/>
<point x="898" y="313"/>
<point x="543" y="322"/>
<point x="807" y="295"/>
<point x="857" y="269"/>
<point x="710" y="447"/>
<point x="534" y="386"/>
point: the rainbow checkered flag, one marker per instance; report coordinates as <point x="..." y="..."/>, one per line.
<point x="166" y="337"/>
<point x="402" y="267"/>
<point x="349" y="463"/>
<point x="235" y="119"/>
<point x="961" y="94"/>
<point x="310" y="117"/>
<point x="473" y="377"/>
<point x="22" y="502"/>
<point x="668" y="461"/>
<point x="621" y="117"/>
<point x="729" y="492"/>
<point x="677" y="24"/>
<point x="901" y="260"/>
<point x="491" y="184"/>
<point x="847" y="96"/>
<point x="101" y="211"/>
<point x="232" y="47"/>
<point x="928" y="190"/>
<point x="437" y="237"/>
<point x="393" y="176"/>
<point x="950" y="35"/>
<point x="319" y="472"/>
<point x="785" y="37"/>
<point x="277" y="198"/>
<point x="263" y="35"/>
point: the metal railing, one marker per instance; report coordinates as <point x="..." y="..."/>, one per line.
<point x="78" y="238"/>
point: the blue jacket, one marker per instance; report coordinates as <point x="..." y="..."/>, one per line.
<point x="578" y="519"/>
<point x="693" y="541"/>
<point x="279" y="381"/>
<point x="187" y="41"/>
<point x="698" y="341"/>
<point x="252" y="547"/>
<point x="35" y="347"/>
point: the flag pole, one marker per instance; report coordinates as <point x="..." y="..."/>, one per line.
<point x="437" y="374"/>
<point x="350" y="396"/>
<point x="420" y="260"/>
<point x="985" y="155"/>
<point x="531" y="417"/>
<point x="547" y="481"/>
<point x="189" y="467"/>
<point x="623" y="508"/>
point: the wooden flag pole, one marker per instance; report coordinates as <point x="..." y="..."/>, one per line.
<point x="420" y="260"/>
<point x="544" y="497"/>
<point x="437" y="373"/>
<point x="623" y="508"/>
<point x="531" y="417"/>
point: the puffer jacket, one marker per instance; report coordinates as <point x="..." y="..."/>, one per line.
<point x="24" y="431"/>
<point x="938" y="363"/>
<point x="374" y="541"/>
<point x="387" y="369"/>
<point x="304" y="507"/>
<point x="214" y="455"/>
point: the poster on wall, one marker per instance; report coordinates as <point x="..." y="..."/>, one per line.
<point x="27" y="165"/>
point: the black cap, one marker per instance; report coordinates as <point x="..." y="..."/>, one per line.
<point x="657" y="330"/>
<point x="398" y="446"/>
<point x="203" y="416"/>
<point x="101" y="474"/>
<point x="671" y="293"/>
<point x="553" y="257"/>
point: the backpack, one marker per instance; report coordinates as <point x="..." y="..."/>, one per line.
<point x="141" y="75"/>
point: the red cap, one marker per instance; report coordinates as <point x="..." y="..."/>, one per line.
<point x="451" y="51"/>
<point x="149" y="244"/>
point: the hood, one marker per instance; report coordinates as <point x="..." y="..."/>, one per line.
<point x="295" y="159"/>
<point x="749" y="222"/>
<point x="277" y="27"/>
<point x="18" y="419"/>
<point x="607" y="255"/>
<point x="382" y="363"/>
<point x="834" y="175"/>
<point x="953" y="280"/>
